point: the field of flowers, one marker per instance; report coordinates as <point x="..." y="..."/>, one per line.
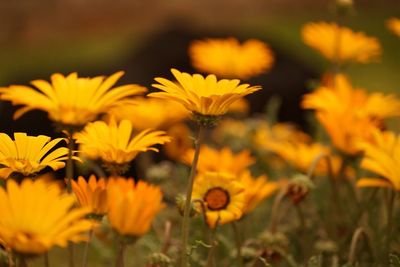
<point x="214" y="185"/>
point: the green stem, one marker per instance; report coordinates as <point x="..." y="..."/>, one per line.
<point x="275" y="210"/>
<point x="86" y="251"/>
<point x="69" y="176"/>
<point x="389" y="225"/>
<point x="300" y="214"/>
<point x="46" y="259"/>
<point x="238" y="240"/>
<point x="358" y="233"/>
<point x="184" y="259"/>
<point x="211" y="252"/>
<point x="120" y="254"/>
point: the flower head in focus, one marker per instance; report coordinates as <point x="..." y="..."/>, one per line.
<point x="340" y="44"/>
<point x="222" y="195"/>
<point x="382" y="157"/>
<point x="114" y="143"/>
<point x="256" y="190"/>
<point x="205" y="96"/>
<point x="91" y="194"/>
<point x="37" y="215"/>
<point x="132" y="206"/>
<point x="393" y="24"/>
<point x="29" y="155"/>
<point x="71" y="100"/>
<point x="223" y="160"/>
<point x="227" y="58"/>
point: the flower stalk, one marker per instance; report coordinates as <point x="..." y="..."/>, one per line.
<point x="87" y="245"/>
<point x="184" y="259"/>
<point x="69" y="175"/>
<point x="238" y="240"/>
<point x="120" y="253"/>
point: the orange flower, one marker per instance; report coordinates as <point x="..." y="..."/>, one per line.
<point x="91" y="194"/>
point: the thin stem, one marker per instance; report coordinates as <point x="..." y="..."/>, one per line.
<point x="389" y="224"/>
<point x="87" y="245"/>
<point x="275" y="210"/>
<point x="120" y="254"/>
<point x="300" y="214"/>
<point x="167" y="237"/>
<point x="185" y="223"/>
<point x="69" y="174"/>
<point x="314" y="164"/>
<point x="354" y="241"/>
<point x="211" y="252"/>
<point x="10" y="259"/>
<point x="238" y="240"/>
<point x="46" y="259"/>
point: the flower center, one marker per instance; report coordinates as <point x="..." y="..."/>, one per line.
<point x="217" y="198"/>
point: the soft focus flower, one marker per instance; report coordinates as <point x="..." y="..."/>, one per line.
<point x="348" y="114"/>
<point x="228" y="58"/>
<point x="151" y="113"/>
<point x="222" y="195"/>
<point x="223" y="160"/>
<point x="340" y="44"/>
<point x="382" y="157"/>
<point x="91" y="194"/>
<point x="113" y="142"/>
<point x="302" y="156"/>
<point x="256" y="190"/>
<point x="180" y="141"/>
<point x="266" y="135"/>
<point x="132" y="206"/>
<point x="28" y="155"/>
<point x="204" y="96"/>
<point x="393" y="24"/>
<point x="71" y="100"/>
<point x="37" y="215"/>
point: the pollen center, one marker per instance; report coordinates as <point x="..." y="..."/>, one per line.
<point x="216" y="198"/>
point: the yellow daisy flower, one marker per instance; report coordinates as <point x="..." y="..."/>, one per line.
<point x="223" y="160"/>
<point x="37" y="215"/>
<point x="222" y="195"/>
<point x="91" y="194"/>
<point x="151" y="113"/>
<point x="204" y="96"/>
<point x="349" y="114"/>
<point x="113" y="142"/>
<point x="132" y="207"/>
<point x="256" y="190"/>
<point x="340" y="44"/>
<point x="393" y="24"/>
<point x="71" y="100"/>
<point x="228" y="58"/>
<point x="28" y="155"/>
<point x="382" y="156"/>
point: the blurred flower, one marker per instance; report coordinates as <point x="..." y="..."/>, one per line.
<point x="299" y="187"/>
<point x="382" y="157"/>
<point x="91" y="194"/>
<point x="302" y="156"/>
<point x="266" y="135"/>
<point x="222" y="195"/>
<point x="203" y="96"/>
<point x="114" y="144"/>
<point x="349" y="114"/>
<point x="28" y="155"/>
<point x="36" y="215"/>
<point x="71" y="100"/>
<point x="241" y="106"/>
<point x="230" y="130"/>
<point x="340" y="44"/>
<point x="256" y="190"/>
<point x="180" y="141"/>
<point x="228" y="58"/>
<point x="223" y="160"/>
<point x="151" y="113"/>
<point x="393" y="24"/>
<point x="132" y="206"/>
